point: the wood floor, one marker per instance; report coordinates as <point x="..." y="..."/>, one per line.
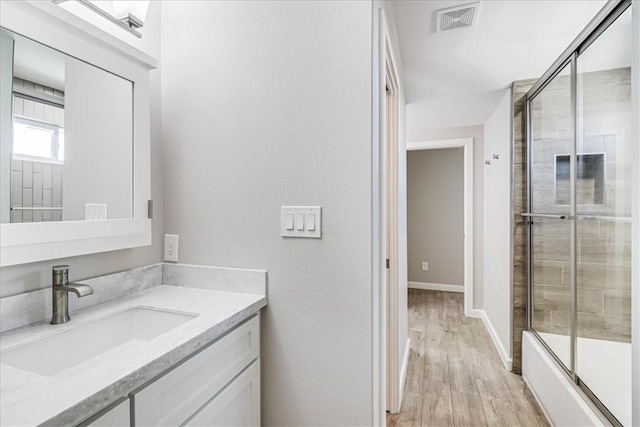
<point x="455" y="376"/>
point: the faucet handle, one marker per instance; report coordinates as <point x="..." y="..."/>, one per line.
<point x="60" y="274"/>
<point x="60" y="268"/>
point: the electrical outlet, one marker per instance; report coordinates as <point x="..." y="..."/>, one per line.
<point x="171" y="247"/>
<point x="425" y="266"/>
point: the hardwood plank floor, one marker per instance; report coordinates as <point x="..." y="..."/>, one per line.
<point x="455" y="376"/>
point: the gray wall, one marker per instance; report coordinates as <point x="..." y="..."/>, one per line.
<point x="435" y="183"/>
<point x="267" y="106"/>
<point x="27" y="277"/>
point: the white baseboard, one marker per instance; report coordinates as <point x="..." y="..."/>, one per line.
<point x="475" y="313"/>
<point x="405" y="366"/>
<point x="435" y="287"/>
<point x="504" y="356"/>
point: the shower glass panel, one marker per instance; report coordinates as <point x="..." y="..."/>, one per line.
<point x="551" y="140"/>
<point x="550" y="256"/>
<point x="603" y="187"/>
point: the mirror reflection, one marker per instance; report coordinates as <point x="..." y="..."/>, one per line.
<point x="67" y="137"/>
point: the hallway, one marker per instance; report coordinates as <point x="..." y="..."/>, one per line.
<point x="455" y="377"/>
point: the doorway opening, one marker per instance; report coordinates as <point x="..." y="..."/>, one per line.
<point x="466" y="144"/>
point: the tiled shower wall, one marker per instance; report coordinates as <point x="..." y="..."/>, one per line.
<point x="36" y="185"/>
<point x="603" y="251"/>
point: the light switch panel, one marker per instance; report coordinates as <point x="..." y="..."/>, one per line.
<point x="301" y="221"/>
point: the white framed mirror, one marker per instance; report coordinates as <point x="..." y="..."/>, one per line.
<point x="75" y="137"/>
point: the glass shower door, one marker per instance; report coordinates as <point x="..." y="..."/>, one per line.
<point x="579" y="184"/>
<point x="603" y="188"/>
<point x="550" y="227"/>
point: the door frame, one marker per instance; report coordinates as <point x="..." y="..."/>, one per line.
<point x="394" y="376"/>
<point x="384" y="337"/>
<point x="467" y="145"/>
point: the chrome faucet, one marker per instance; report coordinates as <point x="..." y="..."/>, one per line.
<point x="61" y="288"/>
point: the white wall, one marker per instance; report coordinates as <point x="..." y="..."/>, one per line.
<point x="268" y="104"/>
<point x="416" y="132"/>
<point x="98" y="157"/>
<point x="23" y="278"/>
<point x="497" y="224"/>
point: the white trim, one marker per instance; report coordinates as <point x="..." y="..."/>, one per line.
<point x="475" y="313"/>
<point x="467" y="145"/>
<point x="405" y="367"/>
<point x="378" y="244"/>
<point x="56" y="16"/>
<point x="436" y="287"/>
<point x="438" y="144"/>
<point x="504" y="356"/>
<point x="389" y="146"/>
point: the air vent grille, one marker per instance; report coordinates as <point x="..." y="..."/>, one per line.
<point x="457" y="17"/>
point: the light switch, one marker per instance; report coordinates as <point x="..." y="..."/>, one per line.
<point x="301" y="221"/>
<point x="289" y="222"/>
<point x="311" y="222"/>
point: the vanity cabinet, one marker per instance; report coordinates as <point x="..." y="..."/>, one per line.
<point x="220" y="385"/>
<point x="115" y="416"/>
<point x="238" y="404"/>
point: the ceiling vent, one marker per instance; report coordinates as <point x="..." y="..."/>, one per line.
<point x="462" y="16"/>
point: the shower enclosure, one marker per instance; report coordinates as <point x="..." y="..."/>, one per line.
<point x="579" y="211"/>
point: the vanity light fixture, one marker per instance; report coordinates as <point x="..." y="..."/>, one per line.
<point x="128" y="15"/>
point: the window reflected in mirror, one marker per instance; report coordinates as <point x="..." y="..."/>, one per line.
<point x="38" y="152"/>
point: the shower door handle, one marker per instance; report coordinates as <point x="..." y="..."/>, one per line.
<point x="552" y="216"/>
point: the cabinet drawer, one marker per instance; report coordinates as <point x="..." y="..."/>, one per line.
<point x="173" y="398"/>
<point x="238" y="404"/>
<point x="116" y="416"/>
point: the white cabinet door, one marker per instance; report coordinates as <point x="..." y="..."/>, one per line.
<point x="175" y="397"/>
<point x="118" y="416"/>
<point x="237" y="405"/>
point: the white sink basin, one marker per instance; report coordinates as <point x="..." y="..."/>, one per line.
<point x="94" y="340"/>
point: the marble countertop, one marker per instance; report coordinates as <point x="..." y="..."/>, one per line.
<point x="73" y="395"/>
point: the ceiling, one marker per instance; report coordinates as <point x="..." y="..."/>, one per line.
<point x="513" y="40"/>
